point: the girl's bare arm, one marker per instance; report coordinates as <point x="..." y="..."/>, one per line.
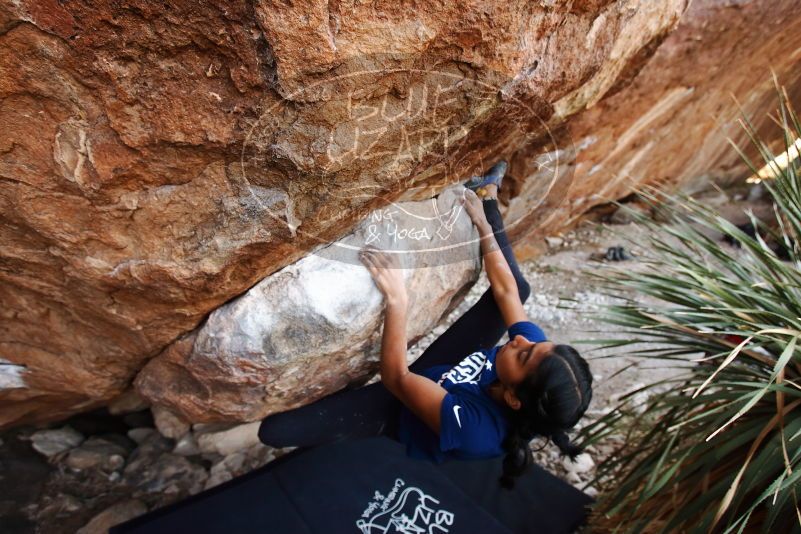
<point x="421" y="395"/>
<point x="502" y="281"/>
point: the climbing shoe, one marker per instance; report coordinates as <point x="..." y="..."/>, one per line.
<point x="493" y="176"/>
<point x="612" y="254"/>
<point x="617" y="254"/>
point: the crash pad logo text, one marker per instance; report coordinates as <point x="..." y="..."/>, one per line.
<point x="406" y="510"/>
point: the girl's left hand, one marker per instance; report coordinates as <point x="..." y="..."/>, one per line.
<point x="386" y="272"/>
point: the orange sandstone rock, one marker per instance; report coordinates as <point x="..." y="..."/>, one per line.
<point x="157" y="160"/>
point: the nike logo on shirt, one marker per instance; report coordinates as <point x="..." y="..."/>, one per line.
<point x="456" y="413"/>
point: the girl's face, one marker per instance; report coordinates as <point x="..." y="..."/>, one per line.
<point x="519" y="358"/>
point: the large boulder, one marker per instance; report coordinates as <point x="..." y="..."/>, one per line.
<point x="315" y="326"/>
<point x="158" y="160"/>
<point x="673" y="113"/>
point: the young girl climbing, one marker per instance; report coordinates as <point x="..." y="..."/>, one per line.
<point x="464" y="398"/>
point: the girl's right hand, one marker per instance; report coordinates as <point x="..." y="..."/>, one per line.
<point x="473" y="206"/>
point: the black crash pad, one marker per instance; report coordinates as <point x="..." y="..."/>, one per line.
<point x="370" y="486"/>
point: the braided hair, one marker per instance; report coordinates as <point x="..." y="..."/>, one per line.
<point x="552" y="400"/>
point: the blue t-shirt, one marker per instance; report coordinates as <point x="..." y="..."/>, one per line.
<point x="472" y="424"/>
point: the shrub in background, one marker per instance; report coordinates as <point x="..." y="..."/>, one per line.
<point x="717" y="447"/>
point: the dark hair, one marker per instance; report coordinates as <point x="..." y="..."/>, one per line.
<point x="552" y="400"/>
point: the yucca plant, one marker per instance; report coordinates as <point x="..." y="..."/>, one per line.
<point x="716" y="447"/>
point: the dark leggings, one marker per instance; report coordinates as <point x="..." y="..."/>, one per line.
<point x="372" y="410"/>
